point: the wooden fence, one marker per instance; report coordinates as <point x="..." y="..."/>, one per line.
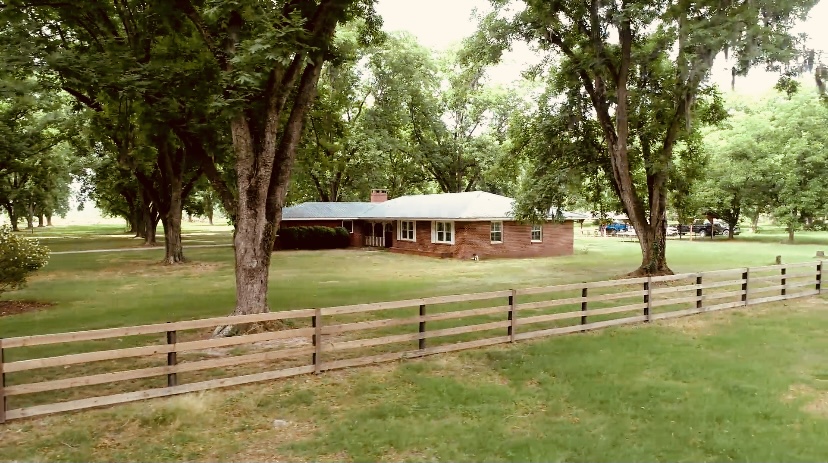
<point x="321" y="339"/>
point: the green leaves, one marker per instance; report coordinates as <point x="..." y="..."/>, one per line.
<point x="19" y="257"/>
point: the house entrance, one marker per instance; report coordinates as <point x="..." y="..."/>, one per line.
<point x="375" y="235"/>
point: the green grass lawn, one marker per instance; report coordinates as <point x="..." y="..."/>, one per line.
<point x="748" y="384"/>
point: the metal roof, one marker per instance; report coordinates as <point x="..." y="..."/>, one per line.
<point x="331" y="211"/>
<point x="472" y="205"/>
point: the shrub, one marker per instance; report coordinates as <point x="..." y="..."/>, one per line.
<point x="19" y="257"/>
<point x="314" y="237"/>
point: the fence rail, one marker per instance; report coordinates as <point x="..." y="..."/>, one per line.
<point x="322" y="339"/>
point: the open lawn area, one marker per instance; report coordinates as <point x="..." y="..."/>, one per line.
<point x="746" y="384"/>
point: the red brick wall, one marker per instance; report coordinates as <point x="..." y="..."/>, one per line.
<point x="356" y="236"/>
<point x="474" y="238"/>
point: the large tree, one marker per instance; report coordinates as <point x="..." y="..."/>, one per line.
<point x="641" y="66"/>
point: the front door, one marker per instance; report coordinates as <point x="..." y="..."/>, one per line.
<point x="389" y="235"/>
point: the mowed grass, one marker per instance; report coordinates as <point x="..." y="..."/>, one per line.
<point x="748" y="384"/>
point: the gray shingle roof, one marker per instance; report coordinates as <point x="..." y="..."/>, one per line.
<point x="332" y="211"/>
<point x="472" y="205"/>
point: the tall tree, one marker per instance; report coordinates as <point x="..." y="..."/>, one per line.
<point x="270" y="55"/>
<point x="641" y="66"/>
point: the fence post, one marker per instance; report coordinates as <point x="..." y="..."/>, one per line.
<point x="699" y="292"/>
<point x="745" y="277"/>
<point x="512" y="315"/>
<point x="584" y="293"/>
<point x="819" y="278"/>
<point x="647" y="298"/>
<point x="172" y="359"/>
<point x="316" y="322"/>
<point x="2" y="386"/>
<point x="784" y="280"/>
<point x="422" y="327"/>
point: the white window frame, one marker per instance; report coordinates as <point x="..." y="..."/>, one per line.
<point x="539" y="229"/>
<point x="492" y="231"/>
<point x="412" y="229"/>
<point x="435" y="233"/>
<point x="351" y="228"/>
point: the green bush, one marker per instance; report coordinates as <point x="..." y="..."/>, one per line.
<point x="19" y="257"/>
<point x="313" y="238"/>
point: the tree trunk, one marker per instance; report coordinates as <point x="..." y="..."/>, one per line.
<point x="790" y="234"/>
<point x="754" y="223"/>
<point x="40" y="223"/>
<point x="12" y="216"/>
<point x="172" y="227"/>
<point x="48" y="219"/>
<point x="30" y="217"/>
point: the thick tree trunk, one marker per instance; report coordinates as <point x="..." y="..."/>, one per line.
<point x="151" y="219"/>
<point x="12" y="216"/>
<point x="754" y="223"/>
<point x="790" y="234"/>
<point x="40" y="222"/>
<point x="172" y="227"/>
<point x="30" y="217"/>
<point x="48" y="219"/>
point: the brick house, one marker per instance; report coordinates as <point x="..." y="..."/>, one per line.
<point x="458" y="225"/>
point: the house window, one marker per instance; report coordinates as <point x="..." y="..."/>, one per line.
<point x="441" y="232"/>
<point x="537" y="233"/>
<point x="348" y="225"/>
<point x="406" y="230"/>
<point x="496" y="232"/>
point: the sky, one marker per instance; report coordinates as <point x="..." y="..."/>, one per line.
<point x="440" y="23"/>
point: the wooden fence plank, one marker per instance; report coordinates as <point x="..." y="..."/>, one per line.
<point x="676" y="313"/>
<point x="590" y="312"/>
<point x="578" y="300"/>
<point x="575" y="328"/>
<point x="801" y="284"/>
<point x="765" y="289"/>
<point x="357" y="308"/>
<point x="678" y="276"/>
<point x="112" y="377"/>
<point x="768" y="268"/>
<point x="97" y="356"/>
<point x="108" y="333"/>
<point x="725" y="305"/>
<point x="574" y="286"/>
<point x="760" y="300"/>
<point x="153" y="393"/>
<point x="721" y="284"/>
<point x="387" y="322"/>
<point x="674" y="289"/>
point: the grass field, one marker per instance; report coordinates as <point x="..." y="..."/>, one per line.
<point x="749" y="384"/>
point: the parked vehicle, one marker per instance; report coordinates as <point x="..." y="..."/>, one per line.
<point x="672" y="230"/>
<point x="726" y="230"/>
<point x="616" y="227"/>
<point x="702" y="228"/>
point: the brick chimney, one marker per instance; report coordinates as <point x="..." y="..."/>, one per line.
<point x="379" y="196"/>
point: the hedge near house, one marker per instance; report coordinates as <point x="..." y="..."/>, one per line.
<point x="314" y="237"/>
<point x="19" y="257"/>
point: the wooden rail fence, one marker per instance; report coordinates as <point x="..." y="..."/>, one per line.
<point x="321" y="339"/>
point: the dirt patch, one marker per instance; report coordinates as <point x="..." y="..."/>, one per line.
<point x="817" y="401"/>
<point x="18" y="307"/>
